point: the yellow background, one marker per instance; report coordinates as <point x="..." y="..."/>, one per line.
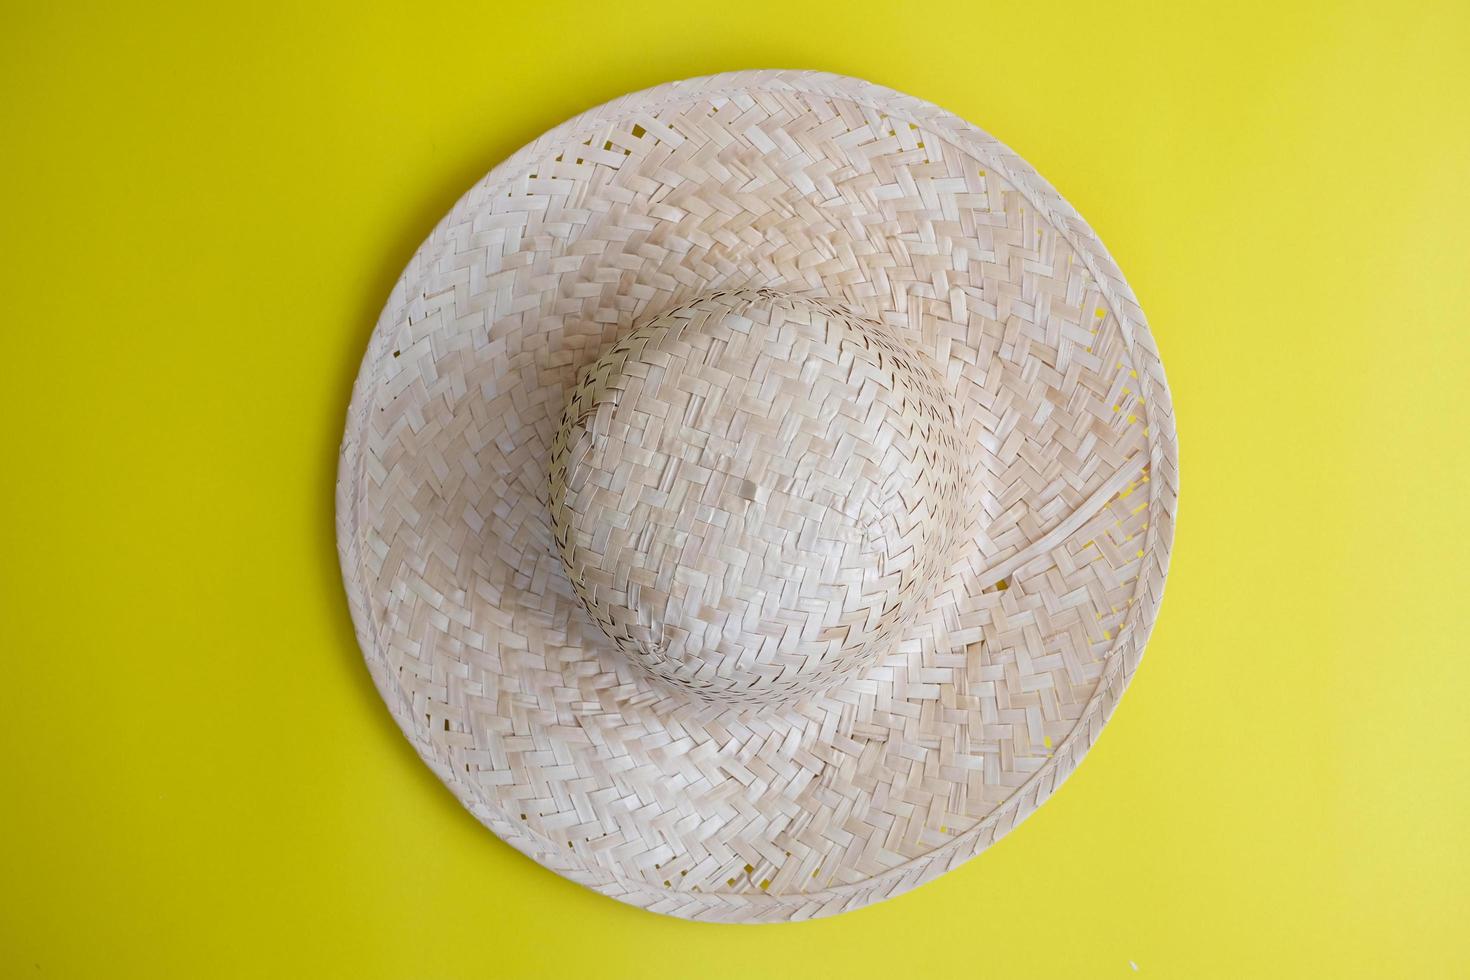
<point x="203" y="209"/>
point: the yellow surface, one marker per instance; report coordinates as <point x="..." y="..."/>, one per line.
<point x="202" y="212"/>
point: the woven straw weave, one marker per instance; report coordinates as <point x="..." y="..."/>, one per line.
<point x="751" y="493"/>
<point x="756" y="495"/>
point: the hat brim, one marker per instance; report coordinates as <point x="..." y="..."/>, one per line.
<point x="808" y="182"/>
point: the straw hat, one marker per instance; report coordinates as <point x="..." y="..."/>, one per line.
<point x="756" y="495"/>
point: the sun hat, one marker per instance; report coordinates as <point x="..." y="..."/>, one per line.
<point x="756" y="495"/>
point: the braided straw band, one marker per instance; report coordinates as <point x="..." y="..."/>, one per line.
<point x="751" y="493"/>
<point x="555" y="687"/>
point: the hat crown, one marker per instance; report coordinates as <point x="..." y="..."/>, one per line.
<point x="753" y="492"/>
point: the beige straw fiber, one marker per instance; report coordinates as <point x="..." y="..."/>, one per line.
<point x="756" y="495"/>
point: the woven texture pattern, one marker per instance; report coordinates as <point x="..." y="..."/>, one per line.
<point x="984" y="693"/>
<point x="752" y="492"/>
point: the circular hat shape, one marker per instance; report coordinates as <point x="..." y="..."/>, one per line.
<point x="756" y="495"/>
<point x="751" y="493"/>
